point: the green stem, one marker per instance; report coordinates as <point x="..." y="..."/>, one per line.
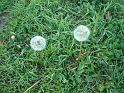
<point x="81" y="49"/>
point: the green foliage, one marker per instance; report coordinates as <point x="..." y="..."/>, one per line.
<point x="4" y="4"/>
<point x="100" y="70"/>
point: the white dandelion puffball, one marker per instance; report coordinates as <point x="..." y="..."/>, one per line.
<point x="38" y="43"/>
<point x="81" y="33"/>
<point x="12" y="37"/>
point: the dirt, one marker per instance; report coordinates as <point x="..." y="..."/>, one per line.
<point x="3" y="18"/>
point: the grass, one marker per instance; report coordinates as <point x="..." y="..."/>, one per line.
<point x="100" y="70"/>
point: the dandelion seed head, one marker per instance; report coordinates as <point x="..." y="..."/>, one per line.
<point x="81" y="33"/>
<point x="38" y="43"/>
<point x="12" y="37"/>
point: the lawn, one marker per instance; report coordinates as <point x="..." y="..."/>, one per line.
<point x="99" y="70"/>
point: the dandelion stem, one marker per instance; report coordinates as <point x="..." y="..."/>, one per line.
<point x="81" y="49"/>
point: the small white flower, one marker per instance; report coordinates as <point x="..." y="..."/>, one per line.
<point x="12" y="37"/>
<point x="81" y="33"/>
<point x="38" y="43"/>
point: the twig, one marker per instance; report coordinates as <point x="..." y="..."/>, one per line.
<point x="32" y="86"/>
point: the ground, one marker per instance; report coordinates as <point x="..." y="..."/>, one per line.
<point x="99" y="70"/>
